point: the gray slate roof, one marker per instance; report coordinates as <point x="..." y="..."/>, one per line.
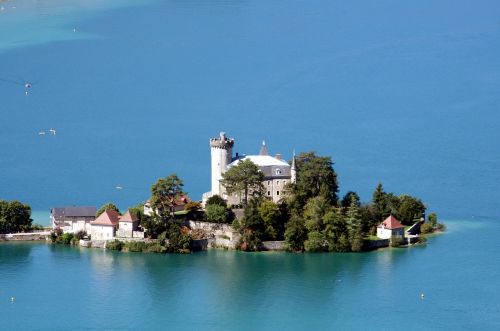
<point x="83" y="211"/>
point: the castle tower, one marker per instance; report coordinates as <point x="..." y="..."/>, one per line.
<point x="293" y="171"/>
<point x="221" y="150"/>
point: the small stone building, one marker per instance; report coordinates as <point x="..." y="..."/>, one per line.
<point x="104" y="227"/>
<point x="390" y="228"/>
<point x="127" y="225"/>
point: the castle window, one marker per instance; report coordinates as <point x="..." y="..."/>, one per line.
<point x="268" y="182"/>
<point x="278" y="171"/>
<point x="277" y="192"/>
<point x="278" y="182"/>
<point x="268" y="192"/>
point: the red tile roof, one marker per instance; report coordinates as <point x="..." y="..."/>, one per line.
<point x="129" y="217"/>
<point x="392" y="222"/>
<point x="109" y="217"/>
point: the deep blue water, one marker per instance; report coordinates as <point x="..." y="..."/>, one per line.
<point x="403" y="92"/>
<point x="400" y="92"/>
<point x="62" y="288"/>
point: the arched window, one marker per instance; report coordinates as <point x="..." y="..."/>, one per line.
<point x="278" y="171"/>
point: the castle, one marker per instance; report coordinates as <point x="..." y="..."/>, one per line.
<point x="277" y="172"/>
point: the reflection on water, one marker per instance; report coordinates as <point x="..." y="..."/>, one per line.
<point x="234" y="290"/>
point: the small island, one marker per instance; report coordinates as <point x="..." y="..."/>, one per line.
<point x="257" y="203"/>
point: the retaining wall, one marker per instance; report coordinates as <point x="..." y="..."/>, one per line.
<point x="25" y="236"/>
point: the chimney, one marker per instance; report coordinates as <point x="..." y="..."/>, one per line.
<point x="278" y="156"/>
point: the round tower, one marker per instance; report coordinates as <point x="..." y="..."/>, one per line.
<point x="221" y="150"/>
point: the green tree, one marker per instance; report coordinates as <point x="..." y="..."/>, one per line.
<point x="314" y="212"/>
<point x="315" y="177"/>
<point x="14" y="217"/>
<point x="270" y="213"/>
<point x="216" y="213"/>
<point x="354" y="226"/>
<point x="432" y="219"/>
<point x="346" y="200"/>
<point x="165" y="194"/>
<point x="244" y="178"/>
<point x="251" y="227"/>
<point x="336" y="230"/>
<point x="154" y="225"/>
<point x="295" y="233"/>
<point x="107" y="206"/>
<point x="216" y="200"/>
<point x="315" y="242"/>
<point x="409" y="209"/>
<point x="379" y="199"/>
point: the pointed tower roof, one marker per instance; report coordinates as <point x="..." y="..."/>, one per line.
<point x="293" y="160"/>
<point x="392" y="222"/>
<point x="128" y="217"/>
<point x="109" y="217"/>
<point x="263" y="149"/>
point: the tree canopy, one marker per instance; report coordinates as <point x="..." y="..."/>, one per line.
<point x="14" y="217"/>
<point x="315" y="177"/>
<point x="244" y="178"/>
<point x="165" y="194"/>
<point x="107" y="206"/>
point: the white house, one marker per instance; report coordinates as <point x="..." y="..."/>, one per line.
<point x="72" y="219"/>
<point x="390" y="228"/>
<point x="104" y="227"/>
<point x="128" y="224"/>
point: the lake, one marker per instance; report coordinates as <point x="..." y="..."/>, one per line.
<point x="60" y="287"/>
<point x="405" y="93"/>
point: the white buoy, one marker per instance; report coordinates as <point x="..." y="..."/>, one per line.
<point x="422" y="295"/>
<point x="12" y="299"/>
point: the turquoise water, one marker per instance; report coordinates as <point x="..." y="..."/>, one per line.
<point x="400" y="92"/>
<point x="60" y="288"/>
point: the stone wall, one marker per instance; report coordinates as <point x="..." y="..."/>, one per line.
<point x="218" y="235"/>
<point x="25" y="236"/>
<point x="369" y="245"/>
<point x="274" y="245"/>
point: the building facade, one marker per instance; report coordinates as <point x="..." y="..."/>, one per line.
<point x="127" y="225"/>
<point x="104" y="227"/>
<point x="72" y="219"/>
<point x="277" y="172"/>
<point x="390" y="228"/>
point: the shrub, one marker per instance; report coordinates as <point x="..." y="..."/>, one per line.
<point x="216" y="200"/>
<point x="115" y="245"/>
<point x="315" y="242"/>
<point x="216" y="213"/>
<point x="432" y="218"/>
<point x="134" y="246"/>
<point x="65" y="239"/>
<point x="441" y="227"/>
<point x="80" y="234"/>
<point x="426" y="228"/>
<point x="155" y="248"/>
<point x="57" y="232"/>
